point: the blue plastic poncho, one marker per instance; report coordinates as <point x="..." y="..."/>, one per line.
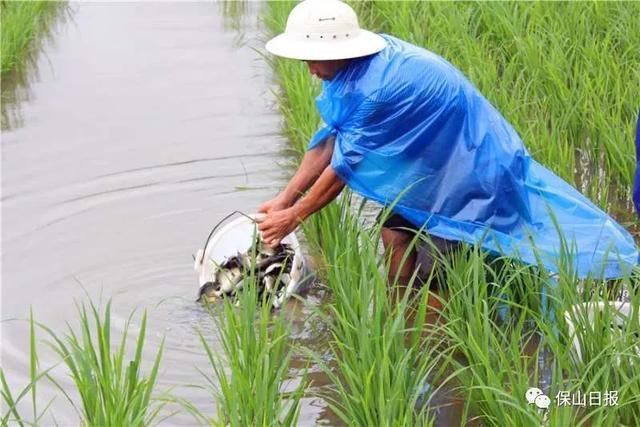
<point x="411" y="129"/>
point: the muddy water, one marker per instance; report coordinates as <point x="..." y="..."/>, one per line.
<point x="143" y="125"/>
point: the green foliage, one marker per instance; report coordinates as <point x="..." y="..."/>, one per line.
<point x="565" y="75"/>
<point x="12" y="414"/>
<point x="113" y="391"/>
<point x="250" y="383"/>
<point x="503" y="341"/>
<point x="22" y="22"/>
<point x="381" y="361"/>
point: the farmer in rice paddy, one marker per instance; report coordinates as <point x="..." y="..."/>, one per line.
<point x="405" y="128"/>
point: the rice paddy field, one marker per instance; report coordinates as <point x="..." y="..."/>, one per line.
<point x="567" y="76"/>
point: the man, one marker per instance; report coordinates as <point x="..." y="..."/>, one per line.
<point x="405" y="127"/>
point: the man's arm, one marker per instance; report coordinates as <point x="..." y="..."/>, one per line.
<point x="325" y="189"/>
<point x="313" y="164"/>
<point x="278" y="224"/>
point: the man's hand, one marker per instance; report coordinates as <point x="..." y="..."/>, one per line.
<point x="278" y="203"/>
<point x="277" y="224"/>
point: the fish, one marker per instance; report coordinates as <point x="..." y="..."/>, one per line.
<point x="229" y="278"/>
<point x="269" y="282"/>
<point x="270" y="267"/>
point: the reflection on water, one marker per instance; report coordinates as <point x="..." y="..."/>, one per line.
<point x="236" y="14"/>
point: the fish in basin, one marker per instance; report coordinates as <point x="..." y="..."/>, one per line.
<point x="270" y="268"/>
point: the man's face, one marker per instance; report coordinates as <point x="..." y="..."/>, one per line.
<point x="326" y="70"/>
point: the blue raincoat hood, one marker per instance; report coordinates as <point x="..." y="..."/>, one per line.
<point x="410" y="128"/>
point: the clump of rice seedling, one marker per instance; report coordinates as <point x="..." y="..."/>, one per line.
<point x="493" y="347"/>
<point x="595" y="343"/>
<point x="250" y="382"/>
<point x="113" y="391"/>
<point x="22" y="23"/>
<point x="504" y="340"/>
<point x="11" y="401"/>
<point x="380" y="361"/>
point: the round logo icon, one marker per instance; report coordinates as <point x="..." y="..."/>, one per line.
<point x="535" y="396"/>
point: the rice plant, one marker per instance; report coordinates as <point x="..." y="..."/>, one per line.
<point x="493" y="348"/>
<point x="11" y="400"/>
<point x="565" y="76"/>
<point x="113" y="391"/>
<point x="503" y="340"/>
<point x="596" y="347"/>
<point x="381" y="363"/>
<point x="250" y="379"/>
<point x="22" y="23"/>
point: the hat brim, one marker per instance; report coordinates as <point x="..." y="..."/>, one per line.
<point x="365" y="43"/>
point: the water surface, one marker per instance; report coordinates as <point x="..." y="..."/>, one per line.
<point x="144" y="124"/>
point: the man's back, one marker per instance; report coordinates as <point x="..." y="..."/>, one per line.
<point x="410" y="120"/>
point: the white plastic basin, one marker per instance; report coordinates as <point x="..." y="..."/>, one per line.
<point x="238" y="235"/>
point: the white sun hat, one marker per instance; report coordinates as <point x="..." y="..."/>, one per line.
<point x="320" y="30"/>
